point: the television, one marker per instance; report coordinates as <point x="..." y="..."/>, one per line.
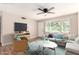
<point x="20" y="27"/>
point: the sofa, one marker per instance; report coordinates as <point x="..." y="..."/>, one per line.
<point x="59" y="38"/>
<point x="72" y="47"/>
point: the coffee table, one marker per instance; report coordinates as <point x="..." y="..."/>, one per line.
<point x="48" y="44"/>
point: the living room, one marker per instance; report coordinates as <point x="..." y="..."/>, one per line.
<point x="57" y="21"/>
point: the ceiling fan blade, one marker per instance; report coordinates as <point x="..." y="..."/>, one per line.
<point x="40" y="9"/>
<point x="51" y="12"/>
<point x="40" y="13"/>
<point x="51" y="8"/>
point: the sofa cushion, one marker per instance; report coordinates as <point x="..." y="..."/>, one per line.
<point x="59" y="36"/>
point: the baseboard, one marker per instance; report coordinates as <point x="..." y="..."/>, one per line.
<point x="4" y="44"/>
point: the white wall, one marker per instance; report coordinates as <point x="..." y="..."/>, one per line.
<point x="73" y="23"/>
<point x="40" y="29"/>
<point x="78" y="23"/>
<point x="8" y="21"/>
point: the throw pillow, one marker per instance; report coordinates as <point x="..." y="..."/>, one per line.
<point x="50" y="36"/>
<point x="18" y="37"/>
<point x="77" y="40"/>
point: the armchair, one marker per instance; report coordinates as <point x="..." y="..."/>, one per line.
<point x="72" y="47"/>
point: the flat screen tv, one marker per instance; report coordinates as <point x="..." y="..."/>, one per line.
<point x="20" y="27"/>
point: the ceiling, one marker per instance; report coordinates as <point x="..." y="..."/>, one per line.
<point x="29" y="10"/>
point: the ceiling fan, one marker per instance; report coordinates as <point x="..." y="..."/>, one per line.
<point x="46" y="10"/>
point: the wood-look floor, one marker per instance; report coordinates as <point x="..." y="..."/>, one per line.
<point x="8" y="50"/>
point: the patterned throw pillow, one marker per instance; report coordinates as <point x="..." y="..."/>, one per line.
<point x="18" y="37"/>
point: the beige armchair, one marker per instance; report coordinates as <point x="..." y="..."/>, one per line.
<point x="72" y="47"/>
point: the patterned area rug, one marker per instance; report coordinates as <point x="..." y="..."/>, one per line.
<point x="35" y="49"/>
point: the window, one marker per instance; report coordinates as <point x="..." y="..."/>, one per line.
<point x="57" y="26"/>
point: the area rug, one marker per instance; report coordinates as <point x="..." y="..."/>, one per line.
<point x="36" y="49"/>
